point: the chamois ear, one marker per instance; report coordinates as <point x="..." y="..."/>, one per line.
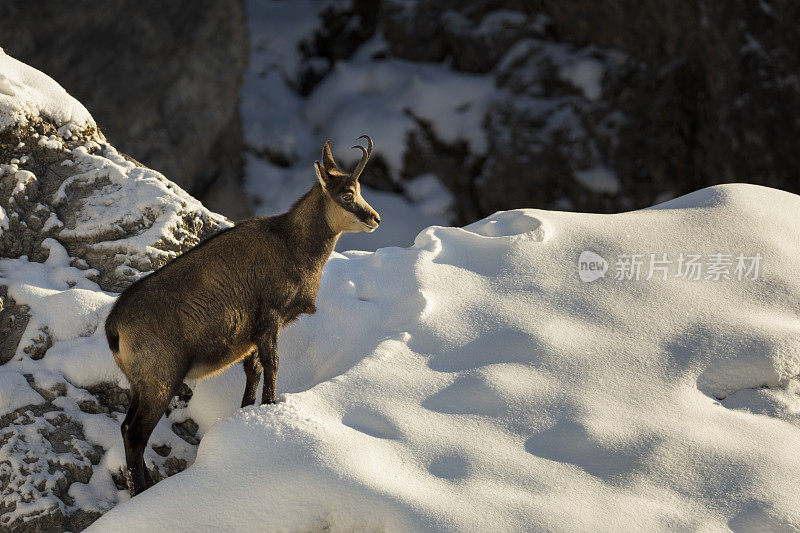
<point x="323" y="177"/>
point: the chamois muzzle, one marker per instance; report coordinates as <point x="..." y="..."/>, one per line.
<point x="373" y="222"/>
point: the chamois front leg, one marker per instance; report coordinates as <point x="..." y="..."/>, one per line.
<point x="252" y="370"/>
<point x="268" y="353"/>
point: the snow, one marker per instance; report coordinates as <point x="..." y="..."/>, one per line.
<point x="585" y="74"/>
<point x="58" y="448"/>
<point x="52" y="222"/>
<point x="25" y="92"/>
<point x="272" y="116"/>
<point x="23" y="177"/>
<point x="598" y="179"/>
<point x="471" y="381"/>
<point x="111" y="207"/>
<point x="15" y="392"/>
<point x="278" y="28"/>
<point x="474" y="382"/>
<point x="384" y="97"/>
<point x="496" y="21"/>
<point x="3" y="220"/>
<point x="429" y="195"/>
<point x="70" y="310"/>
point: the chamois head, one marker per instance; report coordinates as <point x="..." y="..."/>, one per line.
<point x="346" y="209"/>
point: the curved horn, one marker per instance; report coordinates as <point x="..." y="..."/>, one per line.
<point x="365" y="153"/>
<point x="369" y="143"/>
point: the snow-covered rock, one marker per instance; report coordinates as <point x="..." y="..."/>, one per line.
<point x="77" y="219"/>
<point x="26" y="93"/>
<point x="665" y="102"/>
<point x="507" y="120"/>
<point x="474" y="382"/>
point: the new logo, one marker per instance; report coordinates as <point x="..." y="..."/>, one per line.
<point x="591" y="266"/>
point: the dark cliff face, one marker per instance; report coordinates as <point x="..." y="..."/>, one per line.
<point x="712" y="92"/>
<point x="688" y="94"/>
<point x="161" y="79"/>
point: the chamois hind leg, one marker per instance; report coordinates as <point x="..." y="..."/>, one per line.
<point x="133" y="407"/>
<point x="268" y="354"/>
<point x="252" y="369"/>
<point x="153" y="401"/>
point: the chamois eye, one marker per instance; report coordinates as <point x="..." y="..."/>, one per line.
<point x="347" y="197"/>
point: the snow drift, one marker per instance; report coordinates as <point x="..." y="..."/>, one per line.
<point x="474" y="382"/>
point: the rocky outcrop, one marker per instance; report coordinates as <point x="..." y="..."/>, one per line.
<point x="79" y="221"/>
<point x="473" y="35"/>
<point x="112" y="214"/>
<point x="603" y="107"/>
<point x="612" y="107"/>
<point x="163" y="85"/>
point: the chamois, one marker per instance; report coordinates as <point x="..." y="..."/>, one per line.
<point x="226" y="300"/>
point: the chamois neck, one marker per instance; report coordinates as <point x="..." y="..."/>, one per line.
<point x="309" y="227"/>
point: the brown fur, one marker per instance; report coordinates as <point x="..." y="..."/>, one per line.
<point x="225" y="301"/>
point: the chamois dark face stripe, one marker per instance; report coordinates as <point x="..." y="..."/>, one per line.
<point x="362" y="214"/>
<point x="358" y="206"/>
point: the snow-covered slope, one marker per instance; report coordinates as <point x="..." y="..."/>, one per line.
<point x="475" y="382"/>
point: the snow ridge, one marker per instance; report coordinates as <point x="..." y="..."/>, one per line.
<point x="473" y="381"/>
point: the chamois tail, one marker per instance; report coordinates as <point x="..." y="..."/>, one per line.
<point x="112" y="336"/>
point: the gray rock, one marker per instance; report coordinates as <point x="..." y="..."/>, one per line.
<point x="472" y="35"/>
<point x="62" y="454"/>
<point x="62" y="187"/>
<point x="13" y="321"/>
<point x="161" y="79"/>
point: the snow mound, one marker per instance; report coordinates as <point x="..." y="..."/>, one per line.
<point x="25" y="92"/>
<point x="474" y="382"/>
